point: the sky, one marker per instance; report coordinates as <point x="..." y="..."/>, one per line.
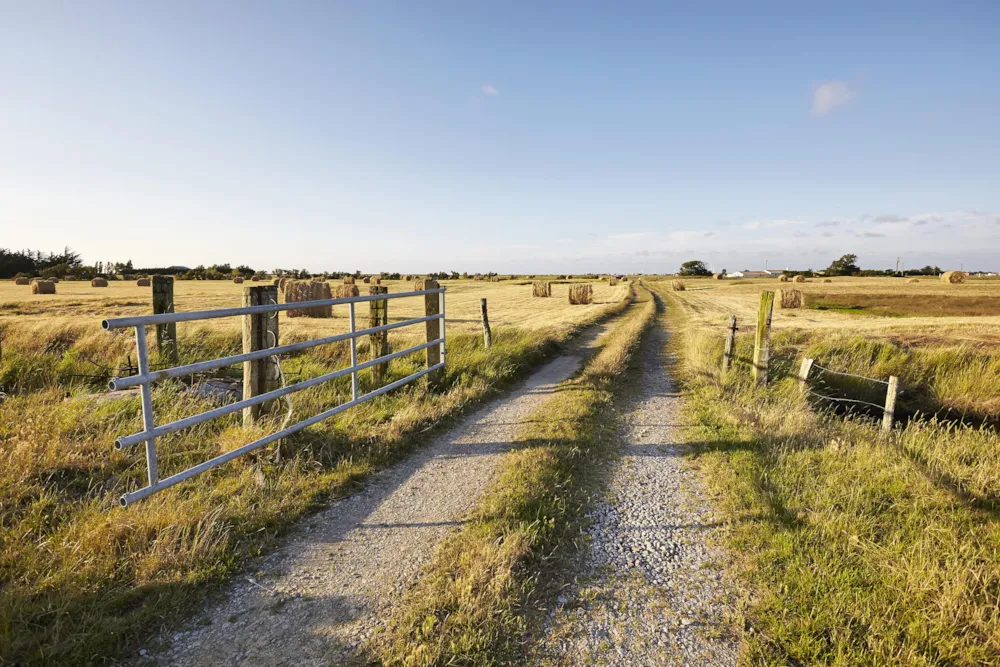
<point x="517" y="137"/>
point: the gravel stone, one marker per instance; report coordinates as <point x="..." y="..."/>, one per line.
<point x="650" y="591"/>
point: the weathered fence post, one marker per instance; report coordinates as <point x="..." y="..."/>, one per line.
<point x="762" y="341"/>
<point x="807" y="365"/>
<point x="487" y="334"/>
<point x="889" y="416"/>
<point x="432" y="328"/>
<point x="730" y="349"/>
<point x="163" y="302"/>
<point x="378" y="315"/>
<point x="259" y="333"/>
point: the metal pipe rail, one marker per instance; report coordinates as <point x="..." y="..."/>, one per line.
<point x="146" y="378"/>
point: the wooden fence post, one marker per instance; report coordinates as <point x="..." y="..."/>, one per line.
<point x="432" y="328"/>
<point x="762" y="341"/>
<point x="889" y="416"/>
<point x="163" y="302"/>
<point x="259" y="333"/>
<point x="807" y="365"/>
<point x="730" y="349"/>
<point x="487" y="334"/>
<point x="378" y="315"/>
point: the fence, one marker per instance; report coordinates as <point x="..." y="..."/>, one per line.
<point x="891" y="390"/>
<point x="255" y="324"/>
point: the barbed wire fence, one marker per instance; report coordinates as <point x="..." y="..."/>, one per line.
<point x="891" y="390"/>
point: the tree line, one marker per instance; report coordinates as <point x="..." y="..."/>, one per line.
<point x="846" y="265"/>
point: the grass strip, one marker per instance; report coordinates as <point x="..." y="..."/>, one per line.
<point x="470" y="606"/>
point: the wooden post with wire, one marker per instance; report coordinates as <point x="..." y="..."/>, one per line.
<point x="378" y="315"/>
<point x="804" y="369"/>
<point x="730" y="349"/>
<point x="762" y="340"/>
<point x="889" y="416"/>
<point x="487" y="334"/>
<point x="260" y="332"/>
<point x="163" y="302"/>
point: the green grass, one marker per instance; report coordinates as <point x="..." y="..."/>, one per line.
<point x="856" y="548"/>
<point x="82" y="581"/>
<point x="471" y="604"/>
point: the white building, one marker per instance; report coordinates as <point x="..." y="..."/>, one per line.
<point x="747" y="273"/>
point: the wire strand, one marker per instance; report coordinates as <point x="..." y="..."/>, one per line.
<point x="863" y="377"/>
<point x="846" y="400"/>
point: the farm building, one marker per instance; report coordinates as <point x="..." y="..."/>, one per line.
<point x="747" y="273"/>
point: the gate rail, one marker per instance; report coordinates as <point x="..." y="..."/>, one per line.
<point x="147" y="377"/>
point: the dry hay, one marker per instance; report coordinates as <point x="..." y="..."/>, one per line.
<point x="783" y="278"/>
<point x="799" y="279"/>
<point x="541" y="288"/>
<point x="255" y="279"/>
<point x="827" y="280"/>
<point x="43" y="287"/>
<point x="406" y="278"/>
<point x="35" y="280"/>
<point x="238" y="279"/>
<point x="581" y="294"/>
<point x="367" y="280"/>
<point x="718" y="276"/>
<point x="790" y="298"/>
<point x="677" y="285"/>
<point x="70" y="278"/>
<point x="913" y="280"/>
<point x="307" y="290"/>
<point x="348" y="280"/>
<point x="21" y="281"/>
<point x="345" y="291"/>
<point x="612" y="282"/>
<point x="98" y="282"/>
<point x="144" y="282"/>
<point x="276" y="282"/>
<point x="954" y="277"/>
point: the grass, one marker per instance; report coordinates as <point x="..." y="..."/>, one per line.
<point x="471" y="604"/>
<point x="907" y="305"/>
<point x="82" y="581"/>
<point x="855" y="547"/>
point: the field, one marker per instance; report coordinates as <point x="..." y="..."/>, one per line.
<point x="80" y="580"/>
<point x="856" y="547"/>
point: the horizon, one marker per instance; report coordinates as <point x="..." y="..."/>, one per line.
<point x="515" y="139"/>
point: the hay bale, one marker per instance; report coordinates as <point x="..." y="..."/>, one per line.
<point x="53" y="280"/>
<point x="144" y="282"/>
<point x="717" y="276"/>
<point x="406" y="278"/>
<point x="348" y="280"/>
<point x="783" y="278"/>
<point x="255" y="279"/>
<point x="21" y="281"/>
<point x="238" y="279"/>
<point x="790" y="298"/>
<point x="954" y="277"/>
<point x="799" y="279"/>
<point x="70" y="278"/>
<point x="677" y="285"/>
<point x="367" y="280"/>
<point x="827" y="280"/>
<point x="43" y="287"/>
<point x="913" y="280"/>
<point x="98" y="282"/>
<point x="345" y="291"/>
<point x="276" y="282"/>
<point x="612" y="282"/>
<point x="307" y="290"/>
<point x="581" y="294"/>
<point x="541" y="288"/>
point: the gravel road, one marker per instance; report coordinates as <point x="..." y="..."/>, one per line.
<point x="650" y="591"/>
<point x="326" y="591"/>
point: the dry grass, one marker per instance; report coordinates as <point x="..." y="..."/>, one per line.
<point x="581" y="294"/>
<point x="908" y="305"/>
<point x="677" y="285"/>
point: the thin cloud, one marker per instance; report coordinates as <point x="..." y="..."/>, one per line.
<point x="828" y="223"/>
<point x="827" y="96"/>
<point x="490" y="89"/>
<point x="890" y="217"/>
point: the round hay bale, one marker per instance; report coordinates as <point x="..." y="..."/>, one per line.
<point x="98" y="282"/>
<point x="789" y="298"/>
<point x="913" y="280"/>
<point x="348" y="280"/>
<point x="799" y="279"/>
<point x="717" y="276"/>
<point x="827" y="280"/>
<point x="21" y="281"/>
<point x="255" y="279"/>
<point x="783" y="278"/>
<point x="43" y="287"/>
<point x="345" y="291"/>
<point x="70" y="278"/>
<point x="954" y="277"/>
<point x="367" y="280"/>
<point x="276" y="282"/>
<point x="143" y="282"/>
<point x="308" y="290"/>
<point x="238" y="279"/>
<point x="677" y="285"/>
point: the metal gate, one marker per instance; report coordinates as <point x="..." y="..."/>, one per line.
<point x="146" y="377"/>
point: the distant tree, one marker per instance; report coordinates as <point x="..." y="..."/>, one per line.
<point x="694" y="268"/>
<point x="845" y="266"/>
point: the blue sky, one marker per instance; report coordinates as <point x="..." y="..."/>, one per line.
<point x="515" y="137"/>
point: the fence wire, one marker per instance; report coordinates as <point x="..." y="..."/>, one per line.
<point x="846" y="400"/>
<point x="863" y="377"/>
